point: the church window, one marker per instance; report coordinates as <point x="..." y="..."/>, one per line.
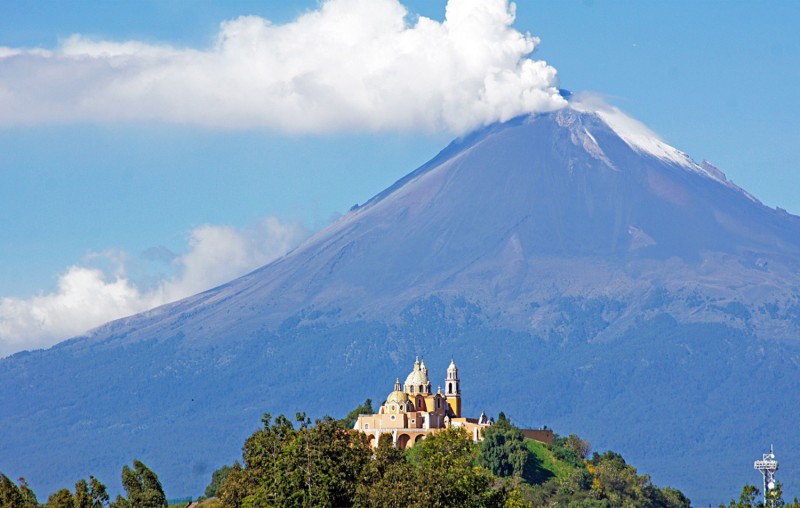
<point x="450" y="388"/>
<point x="366" y="426"/>
<point x="393" y="417"/>
<point x="421" y="389"/>
<point x="412" y="389"/>
<point x="438" y="403"/>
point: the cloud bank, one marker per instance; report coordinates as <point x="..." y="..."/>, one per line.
<point x="88" y="296"/>
<point x="353" y="65"/>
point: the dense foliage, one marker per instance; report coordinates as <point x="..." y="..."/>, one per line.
<point x="141" y="485"/>
<point x="15" y="496"/>
<point x="503" y="450"/>
<point x="560" y="474"/>
<point x="604" y="481"/>
<point x="314" y="465"/>
<point x="300" y="464"/>
<point x="143" y="488"/>
<point x="91" y="494"/>
<point x="751" y="498"/>
<point x="217" y="477"/>
<point x="327" y="464"/>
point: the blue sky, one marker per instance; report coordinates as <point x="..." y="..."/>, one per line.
<point x="143" y="205"/>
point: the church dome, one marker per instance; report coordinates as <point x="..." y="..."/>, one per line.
<point x="397" y="396"/>
<point x="418" y="377"/>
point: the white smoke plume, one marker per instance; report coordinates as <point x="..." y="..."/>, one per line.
<point x="353" y="65"/>
<point x="88" y="296"/>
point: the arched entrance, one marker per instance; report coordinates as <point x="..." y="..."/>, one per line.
<point x="402" y="441"/>
<point x="418" y="439"/>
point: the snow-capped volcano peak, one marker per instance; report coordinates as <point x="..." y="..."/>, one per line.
<point x="643" y="140"/>
<point x="636" y="134"/>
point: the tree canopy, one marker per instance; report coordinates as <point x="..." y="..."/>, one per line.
<point x="142" y="487"/>
<point x="217" y="477"/>
<point x="751" y="498"/>
<point x="297" y="463"/>
<point x="328" y="464"/>
<point x="503" y="450"/>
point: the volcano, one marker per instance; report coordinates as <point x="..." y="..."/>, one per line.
<point x="584" y="275"/>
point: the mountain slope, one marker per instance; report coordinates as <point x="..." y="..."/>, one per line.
<point x="582" y="275"/>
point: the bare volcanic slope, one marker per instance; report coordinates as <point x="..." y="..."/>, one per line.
<point x="584" y="275"/>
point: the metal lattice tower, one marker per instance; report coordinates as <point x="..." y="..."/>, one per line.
<point x="767" y="466"/>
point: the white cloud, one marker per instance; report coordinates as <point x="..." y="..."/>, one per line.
<point x="88" y="296"/>
<point x="218" y="254"/>
<point x="350" y="65"/>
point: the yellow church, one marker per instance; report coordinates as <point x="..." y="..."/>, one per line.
<point x="413" y="411"/>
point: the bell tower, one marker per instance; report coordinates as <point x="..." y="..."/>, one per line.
<point x="453" y="389"/>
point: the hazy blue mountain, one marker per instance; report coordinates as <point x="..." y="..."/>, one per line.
<point x="582" y="274"/>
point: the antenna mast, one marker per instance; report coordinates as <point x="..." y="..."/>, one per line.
<point x="767" y="467"/>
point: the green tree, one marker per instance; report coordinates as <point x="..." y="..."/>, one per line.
<point x="267" y="465"/>
<point x="217" y="477"/>
<point x="13" y="496"/>
<point x="314" y="465"/>
<point x="441" y="472"/>
<point x="82" y="498"/>
<point x="569" y="449"/>
<point x="235" y="487"/>
<point x="446" y="461"/>
<point x="120" y="502"/>
<point x="503" y="450"/>
<point x="349" y="421"/>
<point x="387" y="455"/>
<point x="515" y="500"/>
<point x="450" y="449"/>
<point x="749" y="498"/>
<point x="774" y="497"/>
<point x="577" y="445"/>
<point x="330" y="459"/>
<point x="28" y="497"/>
<point x="388" y="479"/>
<point x="619" y="483"/>
<point x="10" y="496"/>
<point x="675" y="498"/>
<point x="580" y="480"/>
<point x="97" y="493"/>
<point x="142" y="487"/>
<point x="60" y="499"/>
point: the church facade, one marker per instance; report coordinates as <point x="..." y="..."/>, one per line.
<point x="413" y="411"/>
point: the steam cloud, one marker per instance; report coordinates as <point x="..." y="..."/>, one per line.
<point x="350" y="65"/>
<point x="88" y="297"/>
